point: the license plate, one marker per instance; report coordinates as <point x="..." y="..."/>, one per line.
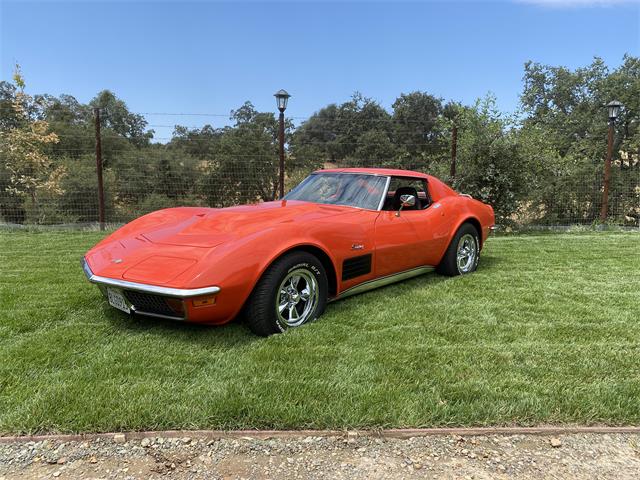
<point x="116" y="299"/>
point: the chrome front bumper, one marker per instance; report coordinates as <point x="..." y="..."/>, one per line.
<point x="178" y="293"/>
<point x="145" y="288"/>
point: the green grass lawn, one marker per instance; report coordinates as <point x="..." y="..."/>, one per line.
<point x="547" y="331"/>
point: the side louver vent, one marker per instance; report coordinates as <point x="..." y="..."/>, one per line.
<point x="355" y="266"/>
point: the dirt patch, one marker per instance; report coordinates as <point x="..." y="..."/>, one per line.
<point x="346" y="456"/>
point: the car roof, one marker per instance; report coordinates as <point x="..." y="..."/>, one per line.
<point x="394" y="172"/>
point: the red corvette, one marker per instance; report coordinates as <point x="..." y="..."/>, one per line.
<point x="338" y="233"/>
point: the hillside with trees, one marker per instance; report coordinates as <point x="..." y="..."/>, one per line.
<point x="541" y="165"/>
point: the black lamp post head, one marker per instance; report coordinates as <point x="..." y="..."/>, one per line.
<point x="613" y="108"/>
<point x="282" y="98"/>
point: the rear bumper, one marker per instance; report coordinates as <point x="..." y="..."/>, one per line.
<point x="154" y="291"/>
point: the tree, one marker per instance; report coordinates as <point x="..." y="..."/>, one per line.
<point x="28" y="171"/>
<point x="566" y="108"/>
<point x="415" y="118"/>
<point x="116" y="116"/>
<point x="245" y="166"/>
<point x="198" y="142"/>
<point x="335" y="134"/>
<point x="373" y="148"/>
<point x="491" y="167"/>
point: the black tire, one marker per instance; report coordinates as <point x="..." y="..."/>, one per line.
<point x="260" y="310"/>
<point x="449" y="264"/>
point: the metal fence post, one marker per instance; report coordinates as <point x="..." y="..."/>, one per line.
<point x="454" y="150"/>
<point x="96" y="112"/>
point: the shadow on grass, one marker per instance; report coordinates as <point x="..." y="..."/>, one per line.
<point x="396" y="290"/>
<point x="235" y="333"/>
<point x="490" y="262"/>
<point x="231" y="334"/>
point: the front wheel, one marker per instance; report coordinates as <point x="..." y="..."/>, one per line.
<point x="463" y="253"/>
<point x="292" y="292"/>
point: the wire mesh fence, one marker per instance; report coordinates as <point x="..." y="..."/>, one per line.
<point x="577" y="200"/>
<point x="138" y="181"/>
<point x="135" y="184"/>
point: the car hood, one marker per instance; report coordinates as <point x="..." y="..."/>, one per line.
<point x="210" y="227"/>
<point x="163" y="246"/>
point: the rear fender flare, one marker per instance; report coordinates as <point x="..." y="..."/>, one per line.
<point x="467" y="219"/>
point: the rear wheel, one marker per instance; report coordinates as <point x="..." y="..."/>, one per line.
<point x="292" y="292"/>
<point x="463" y="253"/>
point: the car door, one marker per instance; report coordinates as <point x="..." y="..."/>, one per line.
<point x="431" y="227"/>
<point x="432" y="223"/>
<point x="396" y="242"/>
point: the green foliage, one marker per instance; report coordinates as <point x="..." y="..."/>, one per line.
<point x="8" y="116"/>
<point x="247" y="155"/>
<point x="356" y="133"/>
<point x="566" y="116"/>
<point x="543" y="167"/>
<point x="29" y="174"/>
<point x="415" y="119"/>
<point x="116" y="116"/>
<point x="490" y="165"/>
<point x="79" y="202"/>
<point x="374" y="148"/>
<point x="198" y="142"/>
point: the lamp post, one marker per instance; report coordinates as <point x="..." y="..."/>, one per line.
<point x="282" y="98"/>
<point x="613" y="109"/>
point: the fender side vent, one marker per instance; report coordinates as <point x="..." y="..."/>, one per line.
<point x="356" y="266"/>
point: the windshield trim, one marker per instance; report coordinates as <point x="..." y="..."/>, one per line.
<point x="384" y="193"/>
<point x="382" y="197"/>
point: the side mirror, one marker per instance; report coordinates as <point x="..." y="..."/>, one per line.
<point x="406" y="201"/>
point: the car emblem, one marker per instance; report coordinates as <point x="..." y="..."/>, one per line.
<point x="117" y="260"/>
<point x="357" y="246"/>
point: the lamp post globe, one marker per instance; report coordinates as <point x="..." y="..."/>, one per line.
<point x="613" y="109"/>
<point x="282" y="98"/>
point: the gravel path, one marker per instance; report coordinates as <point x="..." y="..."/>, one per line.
<point x="350" y="456"/>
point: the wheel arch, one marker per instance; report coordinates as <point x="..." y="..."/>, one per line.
<point x="304" y="246"/>
<point x="254" y="307"/>
<point x="468" y="219"/>
<point x="476" y="224"/>
<point x="320" y="254"/>
<point x="311" y="248"/>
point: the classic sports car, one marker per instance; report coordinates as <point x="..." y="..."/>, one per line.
<point x="338" y="233"/>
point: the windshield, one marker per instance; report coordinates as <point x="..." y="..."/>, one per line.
<point x="352" y="190"/>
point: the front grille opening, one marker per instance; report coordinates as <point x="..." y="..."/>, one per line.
<point x="148" y="303"/>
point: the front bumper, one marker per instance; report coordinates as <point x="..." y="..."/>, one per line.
<point x="135" y="294"/>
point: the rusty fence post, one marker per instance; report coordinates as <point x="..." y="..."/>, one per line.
<point x="454" y="151"/>
<point x="96" y="112"/>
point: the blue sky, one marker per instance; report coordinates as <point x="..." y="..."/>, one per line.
<point x="210" y="57"/>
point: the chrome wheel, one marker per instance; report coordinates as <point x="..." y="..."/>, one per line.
<point x="467" y="253"/>
<point x="297" y="298"/>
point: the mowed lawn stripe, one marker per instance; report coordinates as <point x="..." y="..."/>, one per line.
<point x="547" y="331"/>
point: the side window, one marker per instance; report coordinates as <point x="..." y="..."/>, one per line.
<point x="404" y="185"/>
